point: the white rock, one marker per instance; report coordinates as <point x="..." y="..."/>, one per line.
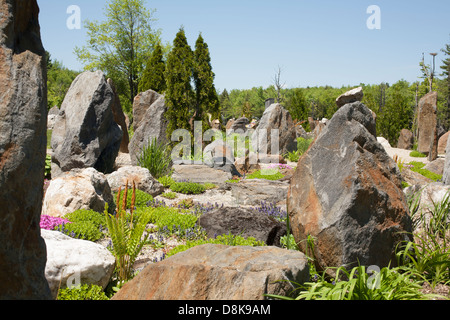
<point x="71" y="262"/>
<point x="141" y="176"/>
<point x="77" y="189"/>
<point x="384" y="142"/>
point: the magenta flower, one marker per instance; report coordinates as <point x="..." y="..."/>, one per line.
<point x="49" y="223"/>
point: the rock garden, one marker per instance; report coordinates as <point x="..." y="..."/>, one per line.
<point x="340" y="207"/>
<point x="263" y="211"/>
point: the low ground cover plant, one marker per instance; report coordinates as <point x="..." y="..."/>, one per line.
<point x="187" y="187"/>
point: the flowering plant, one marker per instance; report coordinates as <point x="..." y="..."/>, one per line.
<point x="49" y="223"/>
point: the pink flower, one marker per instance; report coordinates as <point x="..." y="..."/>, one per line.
<point x="49" y="223"/>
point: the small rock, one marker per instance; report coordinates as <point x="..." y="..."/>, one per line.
<point x="351" y="96"/>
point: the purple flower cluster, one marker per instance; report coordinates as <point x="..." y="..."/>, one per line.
<point x="272" y="210"/>
<point x="49" y="223"/>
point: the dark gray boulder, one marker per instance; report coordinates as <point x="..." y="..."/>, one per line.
<point x="243" y="222"/>
<point x="23" y="123"/>
<point x="149" y="110"/>
<point x="346" y="193"/>
<point x="85" y="134"/>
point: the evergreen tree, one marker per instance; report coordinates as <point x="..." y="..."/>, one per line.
<point x="207" y="100"/>
<point x="153" y="76"/>
<point x="298" y="107"/>
<point x="180" y="97"/>
<point x="225" y="104"/>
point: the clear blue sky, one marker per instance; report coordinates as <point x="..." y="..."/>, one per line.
<point x="314" y="42"/>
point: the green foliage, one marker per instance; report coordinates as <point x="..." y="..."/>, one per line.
<point x="121" y="44"/>
<point x="302" y="146"/>
<point x="169" y="195"/>
<point x="169" y="219"/>
<point x="153" y="76"/>
<point x="48" y="166"/>
<point x="207" y="100"/>
<point x="84" y="230"/>
<point x="418" y="167"/>
<point x="95" y="218"/>
<point x="417" y="154"/>
<point x="141" y="198"/>
<point x="298" y="106"/>
<point x="180" y="97"/>
<point x="128" y="238"/>
<point x="82" y="292"/>
<point x="59" y="80"/>
<point x="86" y="225"/>
<point x="156" y="158"/>
<point x="187" y="187"/>
<point x="267" y="174"/>
<point x="386" y="284"/>
<point x="166" y="181"/>
<point x="228" y="240"/>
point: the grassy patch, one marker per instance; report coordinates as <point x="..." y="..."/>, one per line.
<point x="417" y="166"/>
<point x="417" y="154"/>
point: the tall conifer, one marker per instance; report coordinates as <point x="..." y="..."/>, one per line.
<point x="207" y="100"/>
<point x="180" y="97"/>
<point x="153" y="76"/>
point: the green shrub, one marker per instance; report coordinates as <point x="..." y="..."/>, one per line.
<point x="169" y="219"/>
<point x="127" y="237"/>
<point x="360" y="284"/>
<point x="141" y="198"/>
<point x="84" y="230"/>
<point x="169" y="195"/>
<point x="94" y="217"/>
<point x="417" y="154"/>
<point x="268" y="174"/>
<point x="86" y="225"/>
<point x="156" y="157"/>
<point x="187" y="187"/>
<point x="418" y="167"/>
<point x="229" y="240"/>
<point x="83" y="292"/>
<point x="166" y="181"/>
<point x="303" y="145"/>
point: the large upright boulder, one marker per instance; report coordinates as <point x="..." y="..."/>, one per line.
<point x="23" y="122"/>
<point x="427" y="139"/>
<point x="149" y="110"/>
<point x="85" y="133"/>
<point x="275" y="118"/>
<point x="119" y="118"/>
<point x="346" y="193"/>
<point x="405" y="140"/>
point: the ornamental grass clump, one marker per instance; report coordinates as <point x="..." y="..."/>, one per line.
<point x="156" y="157"/>
<point x="127" y="235"/>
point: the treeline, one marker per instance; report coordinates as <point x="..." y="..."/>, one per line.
<point x="395" y="105"/>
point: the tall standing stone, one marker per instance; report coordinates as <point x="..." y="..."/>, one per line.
<point x="119" y="118"/>
<point x="23" y="122"/>
<point x="149" y="109"/>
<point x="85" y="133"/>
<point x="427" y="126"/>
<point x="346" y="193"/>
